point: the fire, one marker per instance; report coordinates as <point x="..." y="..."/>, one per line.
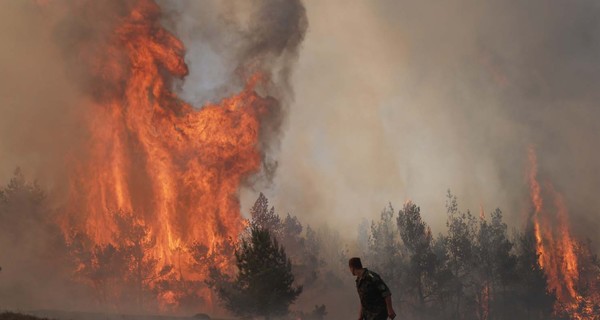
<point x="557" y="249"/>
<point x="175" y="168"/>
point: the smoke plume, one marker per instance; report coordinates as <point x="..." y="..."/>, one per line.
<point x="392" y="100"/>
<point x="90" y="109"/>
<point x="404" y="100"/>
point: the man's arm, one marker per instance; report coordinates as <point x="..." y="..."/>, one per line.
<point x="387" y="296"/>
<point x="390" y="309"/>
<point x="360" y="313"/>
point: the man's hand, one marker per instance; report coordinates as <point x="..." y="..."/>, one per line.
<point x="391" y="314"/>
<point x="390" y="309"/>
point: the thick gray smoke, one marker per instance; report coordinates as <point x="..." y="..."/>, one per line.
<point x="393" y="100"/>
<point x="55" y="66"/>
<point x="402" y="100"/>
<point x="229" y="40"/>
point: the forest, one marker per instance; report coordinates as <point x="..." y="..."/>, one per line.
<point x="280" y="268"/>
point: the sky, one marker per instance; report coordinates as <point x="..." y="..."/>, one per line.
<point x="403" y="100"/>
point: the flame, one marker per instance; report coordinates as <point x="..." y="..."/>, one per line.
<point x="176" y="168"/>
<point x="485" y="302"/>
<point x="556" y="247"/>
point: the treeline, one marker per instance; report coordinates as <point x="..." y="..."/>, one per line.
<point x="41" y="267"/>
<point x="475" y="270"/>
<point x="280" y="268"/>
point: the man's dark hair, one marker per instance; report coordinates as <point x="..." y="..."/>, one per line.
<point x="355" y="263"/>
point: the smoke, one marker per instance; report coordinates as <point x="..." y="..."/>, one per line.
<point x="403" y="100"/>
<point x="37" y="102"/>
<point x="60" y="64"/>
<point x="392" y="100"/>
<point x="229" y="40"/>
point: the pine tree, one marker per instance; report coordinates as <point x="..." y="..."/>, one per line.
<point x="495" y="264"/>
<point x="461" y="241"/>
<point x="417" y="239"/>
<point x="263" y="285"/>
<point x="264" y="218"/>
<point x="384" y="250"/>
<point x="532" y="294"/>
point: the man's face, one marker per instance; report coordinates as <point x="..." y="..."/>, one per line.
<point x="353" y="271"/>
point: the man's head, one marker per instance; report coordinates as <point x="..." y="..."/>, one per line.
<point x="355" y="265"/>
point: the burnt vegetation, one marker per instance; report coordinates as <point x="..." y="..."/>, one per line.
<point x="278" y="267"/>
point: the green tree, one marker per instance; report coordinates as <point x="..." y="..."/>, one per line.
<point x="384" y="250"/>
<point x="461" y="246"/>
<point x="495" y="265"/>
<point x="263" y="217"/>
<point x="362" y="241"/>
<point x="417" y="239"/>
<point x="264" y="284"/>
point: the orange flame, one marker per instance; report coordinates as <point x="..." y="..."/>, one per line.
<point x="556" y="247"/>
<point x="176" y="168"/>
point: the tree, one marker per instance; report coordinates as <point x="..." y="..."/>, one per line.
<point x="417" y="239"/>
<point x="303" y="251"/>
<point x="462" y="230"/>
<point x="495" y="265"/>
<point x="264" y="284"/>
<point x="312" y="261"/>
<point x="362" y="240"/>
<point x="588" y="283"/>
<point x="532" y="297"/>
<point x="291" y="239"/>
<point x="32" y="246"/>
<point x="123" y="271"/>
<point x="136" y="244"/>
<point x="264" y="218"/>
<point x="23" y="209"/>
<point x="384" y="247"/>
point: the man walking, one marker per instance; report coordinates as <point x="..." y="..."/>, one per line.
<point x="375" y="296"/>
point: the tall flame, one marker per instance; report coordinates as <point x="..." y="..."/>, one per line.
<point x="176" y="168"/>
<point x="556" y="247"/>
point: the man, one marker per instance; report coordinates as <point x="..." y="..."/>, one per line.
<point x="375" y="296"/>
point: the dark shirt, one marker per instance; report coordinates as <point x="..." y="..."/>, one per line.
<point x="372" y="292"/>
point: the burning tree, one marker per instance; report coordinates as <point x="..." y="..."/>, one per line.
<point x="559" y="254"/>
<point x="263" y="285"/>
<point x="120" y="272"/>
<point x="530" y="294"/>
<point x="175" y="167"/>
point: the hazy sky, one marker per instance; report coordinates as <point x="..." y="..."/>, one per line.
<point x="398" y="100"/>
<point x="393" y="100"/>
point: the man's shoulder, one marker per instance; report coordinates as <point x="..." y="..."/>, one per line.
<point x="371" y="275"/>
